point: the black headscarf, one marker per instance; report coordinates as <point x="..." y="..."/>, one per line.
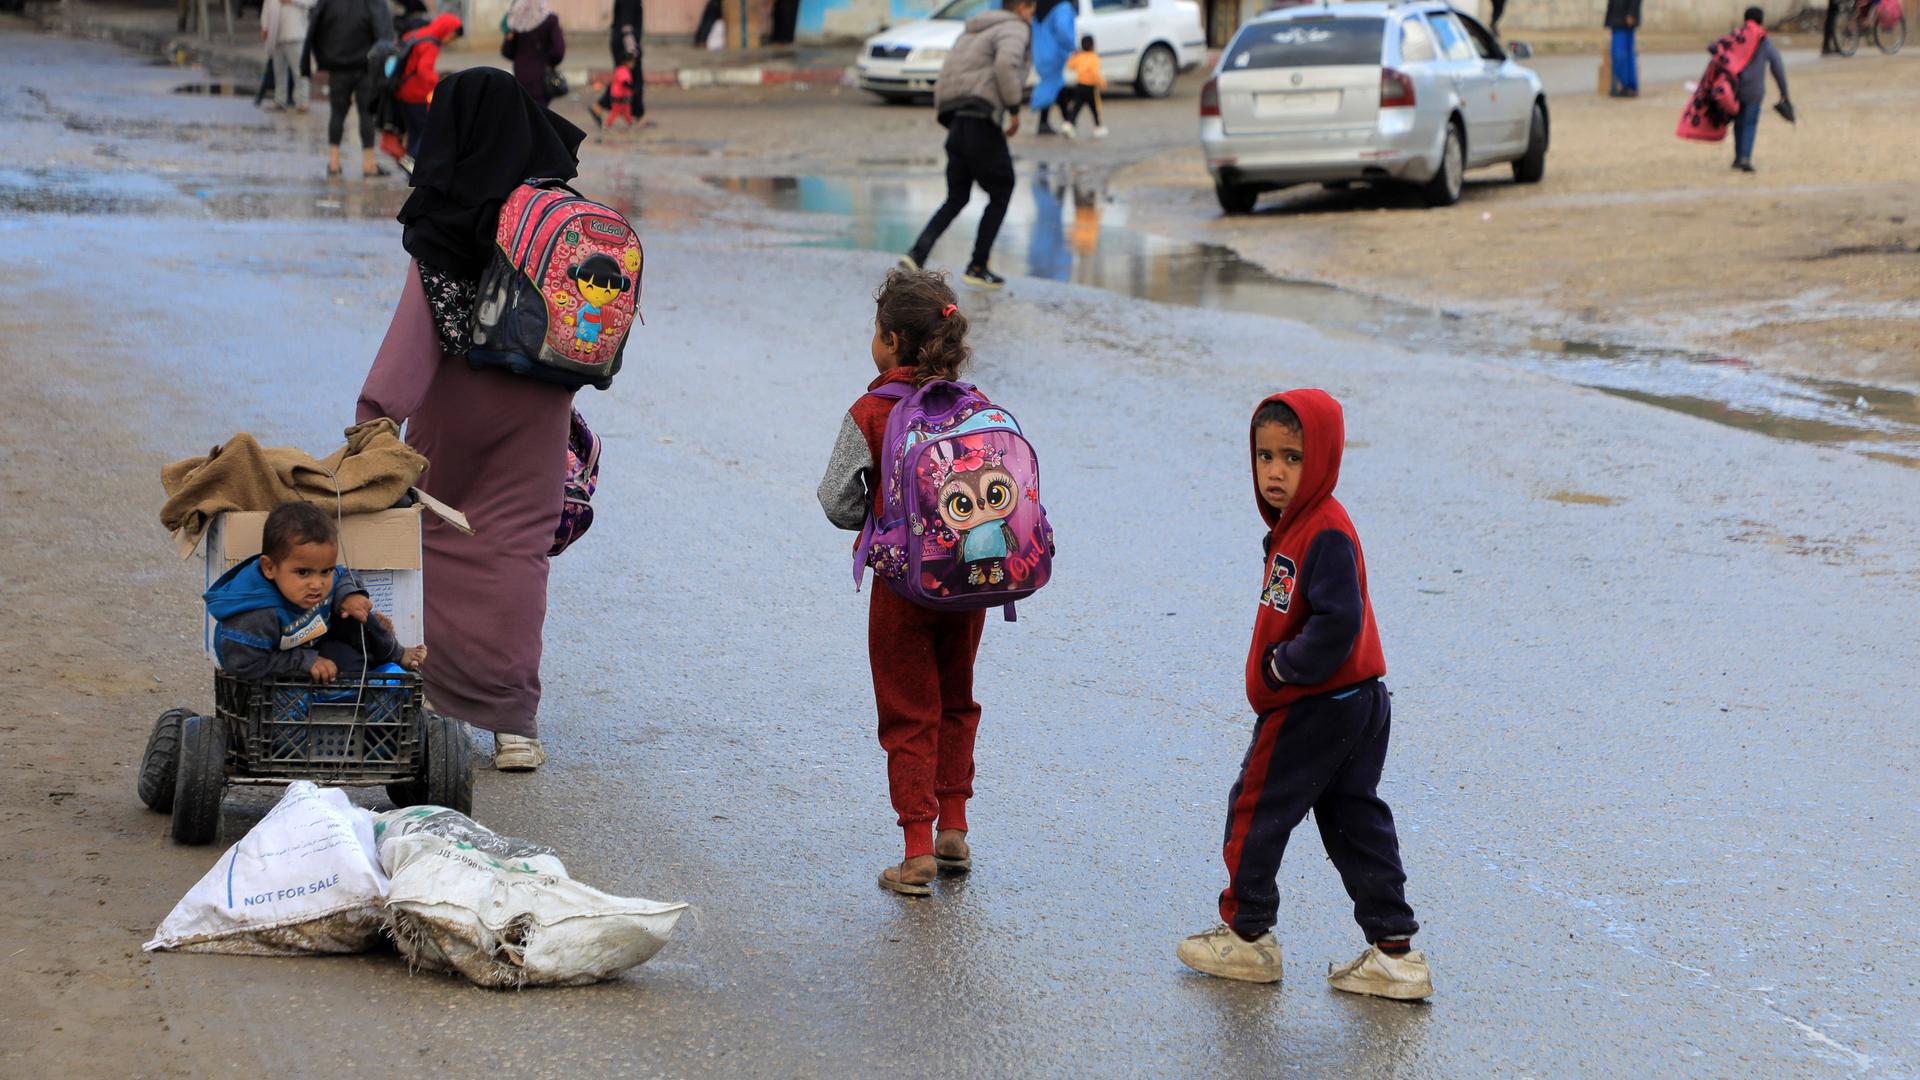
<point x="484" y="137"/>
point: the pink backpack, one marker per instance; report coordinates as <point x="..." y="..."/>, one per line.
<point x="583" y="475"/>
<point x="961" y="525"/>
<point x="561" y="291"/>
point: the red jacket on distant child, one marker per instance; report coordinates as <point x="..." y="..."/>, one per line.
<point x="423" y="61"/>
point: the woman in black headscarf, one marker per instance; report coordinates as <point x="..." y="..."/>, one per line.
<point x="497" y="441"/>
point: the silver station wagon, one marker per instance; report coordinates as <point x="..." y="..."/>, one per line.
<point x="1415" y="93"/>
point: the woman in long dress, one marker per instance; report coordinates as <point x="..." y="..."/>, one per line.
<point x="535" y="43"/>
<point x="497" y="442"/>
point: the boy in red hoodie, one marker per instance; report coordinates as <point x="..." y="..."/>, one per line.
<point x="1313" y="676"/>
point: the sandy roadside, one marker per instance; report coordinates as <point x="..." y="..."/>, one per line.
<point x="1812" y="265"/>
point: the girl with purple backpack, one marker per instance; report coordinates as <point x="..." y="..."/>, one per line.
<point x="922" y="657"/>
<point x="945" y="494"/>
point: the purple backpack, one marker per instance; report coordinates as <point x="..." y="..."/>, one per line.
<point x="961" y="526"/>
<point x="583" y="475"/>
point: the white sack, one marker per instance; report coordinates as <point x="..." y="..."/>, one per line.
<point x="503" y="912"/>
<point x="306" y="879"/>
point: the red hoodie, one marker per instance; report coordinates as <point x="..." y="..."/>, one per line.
<point x="1315" y="631"/>
<point x="422" y="75"/>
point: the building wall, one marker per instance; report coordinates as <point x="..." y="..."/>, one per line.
<point x="834" y="20"/>
<point x="586" y="21"/>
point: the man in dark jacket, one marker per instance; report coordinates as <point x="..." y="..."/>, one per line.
<point x="1751" y="88"/>
<point x="982" y="80"/>
<point x="1623" y="18"/>
<point x="339" y="33"/>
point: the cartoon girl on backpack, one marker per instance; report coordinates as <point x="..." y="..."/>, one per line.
<point x="599" y="281"/>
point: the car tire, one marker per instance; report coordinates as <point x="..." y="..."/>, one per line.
<point x="201" y="781"/>
<point x="1236" y="198"/>
<point x="1531" y="167"/>
<point x="1158" y="69"/>
<point x="1444" y="188"/>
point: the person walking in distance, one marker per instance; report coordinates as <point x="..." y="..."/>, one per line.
<point x="1751" y="87"/>
<point x="283" y="26"/>
<point x="980" y="83"/>
<point x="339" y="33"/>
<point x="1623" y="18"/>
<point x="629" y="18"/>
<point x="536" y="45"/>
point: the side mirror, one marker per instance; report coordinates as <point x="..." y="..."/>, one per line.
<point x="1520" y="50"/>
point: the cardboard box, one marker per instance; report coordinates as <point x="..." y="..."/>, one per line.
<point x="382" y="548"/>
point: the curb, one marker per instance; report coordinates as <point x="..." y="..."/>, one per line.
<point x="704" y="78"/>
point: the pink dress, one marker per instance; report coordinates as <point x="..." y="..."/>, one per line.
<point x="497" y="444"/>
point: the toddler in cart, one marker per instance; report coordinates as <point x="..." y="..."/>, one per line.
<point x="293" y="610"/>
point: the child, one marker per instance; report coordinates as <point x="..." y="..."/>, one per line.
<point x="622" y="95"/>
<point x="1088" y="82"/>
<point x="277" y="610"/>
<point x="1313" y="676"/>
<point x="922" y="659"/>
<point x="422" y="74"/>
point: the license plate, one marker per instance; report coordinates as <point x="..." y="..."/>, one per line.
<point x="1297" y="103"/>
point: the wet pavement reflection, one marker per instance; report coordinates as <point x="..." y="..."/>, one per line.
<point x="1064" y="226"/>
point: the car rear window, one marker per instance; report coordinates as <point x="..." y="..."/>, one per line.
<point x="1306" y="43"/>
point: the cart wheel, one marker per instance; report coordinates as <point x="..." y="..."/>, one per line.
<point x="446" y="768"/>
<point x="161" y="762"/>
<point x="202" y="779"/>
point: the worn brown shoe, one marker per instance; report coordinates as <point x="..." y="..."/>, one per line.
<point x="951" y="853"/>
<point x="911" y="878"/>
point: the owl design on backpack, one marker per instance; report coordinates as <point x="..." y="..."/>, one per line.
<point x="975" y="496"/>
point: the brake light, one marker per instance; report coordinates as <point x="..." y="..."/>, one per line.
<point x="1396" y="90"/>
<point x="1210" y="98"/>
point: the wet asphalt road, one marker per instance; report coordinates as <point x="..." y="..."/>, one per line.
<point x="1653" y="764"/>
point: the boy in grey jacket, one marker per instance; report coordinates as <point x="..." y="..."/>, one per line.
<point x="983" y="78"/>
<point x="291" y="610"/>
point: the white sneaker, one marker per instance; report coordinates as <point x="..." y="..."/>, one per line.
<point x="1067" y="130"/>
<point x="517" y="753"/>
<point x="908" y="262"/>
<point x="1402" y="978"/>
<point x="1223" y="953"/>
<point x="1100" y="131"/>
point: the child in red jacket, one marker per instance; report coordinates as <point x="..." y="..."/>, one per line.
<point x="1313" y="676"/>
<point x="422" y="75"/>
<point x="922" y="659"/>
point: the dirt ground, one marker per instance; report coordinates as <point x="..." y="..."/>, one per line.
<point x="1635" y="236"/>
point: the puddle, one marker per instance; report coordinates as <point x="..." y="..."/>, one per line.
<point x="1064" y="227"/>
<point x="217" y="89"/>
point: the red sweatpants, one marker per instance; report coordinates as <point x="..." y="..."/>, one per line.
<point x="923" y="685"/>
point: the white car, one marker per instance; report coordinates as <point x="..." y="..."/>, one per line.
<point x="1375" y="91"/>
<point x="1141" y="42"/>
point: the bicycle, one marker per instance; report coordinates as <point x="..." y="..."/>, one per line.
<point x="1883" y="20"/>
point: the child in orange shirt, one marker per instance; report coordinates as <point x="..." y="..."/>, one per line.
<point x="1088" y="82"/>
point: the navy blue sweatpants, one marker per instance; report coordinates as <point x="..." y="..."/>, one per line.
<point x="1322" y="753"/>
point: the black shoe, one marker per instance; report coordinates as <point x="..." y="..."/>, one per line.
<point x="982" y="278"/>
<point x="1744" y="166"/>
